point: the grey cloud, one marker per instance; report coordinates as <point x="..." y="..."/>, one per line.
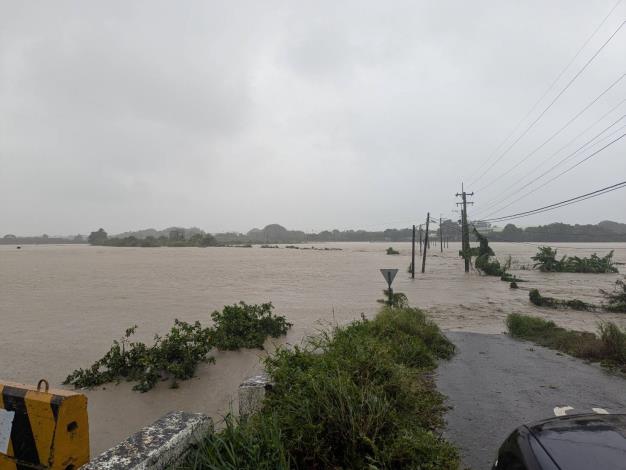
<point x="228" y="115"/>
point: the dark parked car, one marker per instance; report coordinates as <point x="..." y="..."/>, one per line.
<point x="577" y="442"/>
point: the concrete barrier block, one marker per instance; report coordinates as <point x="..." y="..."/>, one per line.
<point x="252" y="393"/>
<point x="157" y="446"/>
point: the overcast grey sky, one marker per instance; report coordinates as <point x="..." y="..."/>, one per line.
<point x="320" y="114"/>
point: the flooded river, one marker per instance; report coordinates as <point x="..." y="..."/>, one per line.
<point x="61" y="307"/>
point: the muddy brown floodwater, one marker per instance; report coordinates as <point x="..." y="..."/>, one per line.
<point x="61" y="307"/>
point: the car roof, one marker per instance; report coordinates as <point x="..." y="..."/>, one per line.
<point x="582" y="442"/>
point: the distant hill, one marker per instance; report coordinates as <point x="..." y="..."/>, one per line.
<point x="613" y="227"/>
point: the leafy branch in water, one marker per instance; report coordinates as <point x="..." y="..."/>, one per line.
<point x="391" y="251"/>
<point x="177" y="355"/>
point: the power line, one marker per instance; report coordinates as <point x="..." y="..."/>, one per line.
<point x="559" y="175"/>
<point x="558" y="205"/>
<point x="545" y="93"/>
<point x="554" y="100"/>
<point x="530" y="154"/>
<point x="494" y="203"/>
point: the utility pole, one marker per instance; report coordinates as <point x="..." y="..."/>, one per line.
<point x="425" y="244"/>
<point x="413" y="255"/>
<point x="465" y="245"/>
<point x="440" y="235"/>
<point x="420" y="239"/>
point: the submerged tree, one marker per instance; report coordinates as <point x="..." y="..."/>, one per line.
<point x="483" y="262"/>
<point x="98" y="238"/>
<point x="546" y="261"/>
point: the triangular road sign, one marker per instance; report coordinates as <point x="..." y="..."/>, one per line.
<point x="389" y="275"/>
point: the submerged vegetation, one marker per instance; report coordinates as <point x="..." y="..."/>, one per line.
<point x="546" y="261"/>
<point x="488" y="266"/>
<point x="391" y="251"/>
<point x="357" y="396"/>
<point x="607" y="347"/>
<point x="398" y="299"/>
<point x="541" y="301"/>
<point x="176" y="355"/>
<point x="616" y="299"/>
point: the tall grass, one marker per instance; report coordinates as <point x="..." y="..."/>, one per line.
<point x="358" y="396"/>
<point x="616" y="300"/>
<point x="609" y="347"/>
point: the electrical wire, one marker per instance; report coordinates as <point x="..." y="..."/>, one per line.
<point x="554" y="100"/>
<point x="498" y="199"/>
<point x="549" y="139"/>
<point x="584" y="146"/>
<point x="559" y="175"/>
<point x="545" y="93"/>
<point x="560" y="204"/>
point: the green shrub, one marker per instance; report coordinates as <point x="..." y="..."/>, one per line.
<point x="246" y="326"/>
<point x="391" y="251"/>
<point x="524" y="326"/>
<point x="175" y="355"/>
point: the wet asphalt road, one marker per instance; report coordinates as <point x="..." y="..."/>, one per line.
<point x="495" y="383"/>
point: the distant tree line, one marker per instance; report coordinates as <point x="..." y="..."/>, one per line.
<point x="606" y="231"/>
<point x="11" y="239"/>
<point x="175" y="238"/>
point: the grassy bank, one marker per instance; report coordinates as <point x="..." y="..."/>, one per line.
<point x="358" y="396"/>
<point x="607" y="347"/>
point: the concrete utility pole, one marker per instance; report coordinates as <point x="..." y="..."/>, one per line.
<point x="413" y="255"/>
<point x="465" y="245"/>
<point x="425" y="244"/>
<point x="440" y="235"/>
<point x="420" y="239"/>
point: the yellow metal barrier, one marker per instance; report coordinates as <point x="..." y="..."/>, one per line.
<point x="41" y="428"/>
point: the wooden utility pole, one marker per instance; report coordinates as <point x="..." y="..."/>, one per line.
<point x="425" y="244"/>
<point x="465" y="244"/>
<point x="413" y="255"/>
